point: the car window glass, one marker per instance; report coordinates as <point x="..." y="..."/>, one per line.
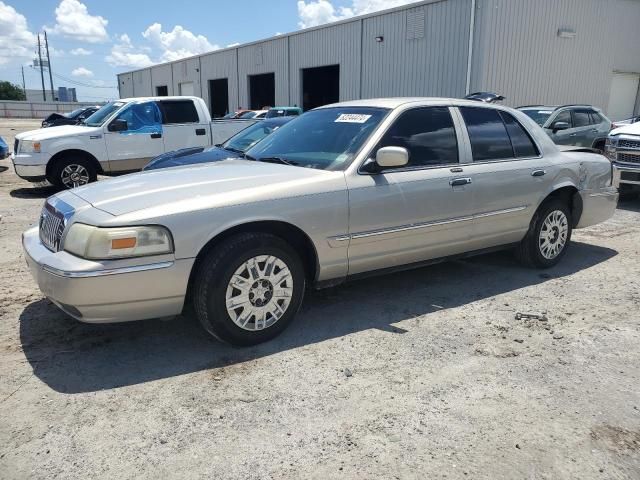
<point x="581" y="118"/>
<point x="178" y="111"/>
<point x="249" y="136"/>
<point x="428" y="134"/>
<point x="141" y="117"/>
<point x="522" y="143"/>
<point x="564" y="117"/>
<point x="595" y="118"/>
<point x="488" y="134"/>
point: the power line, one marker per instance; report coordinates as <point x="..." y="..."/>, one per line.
<point x="81" y="84"/>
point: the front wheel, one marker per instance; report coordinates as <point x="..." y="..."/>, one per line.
<point x="72" y="172"/>
<point x="249" y="288"/>
<point x="548" y="237"/>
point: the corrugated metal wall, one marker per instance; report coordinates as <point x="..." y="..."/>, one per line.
<point x="265" y="57"/>
<point x="142" y="81"/>
<point x="220" y="65"/>
<point x="424" y="51"/>
<point x="186" y="71"/>
<point x="161" y="76"/>
<point x="125" y="86"/>
<point x="518" y="51"/>
<point x="336" y="45"/>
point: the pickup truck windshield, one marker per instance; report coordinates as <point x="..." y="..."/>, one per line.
<point x="326" y="139"/>
<point x="101" y="116"/>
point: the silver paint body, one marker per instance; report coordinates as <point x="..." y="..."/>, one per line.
<point x="357" y="222"/>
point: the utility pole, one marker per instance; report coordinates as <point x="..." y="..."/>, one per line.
<point x="44" y="95"/>
<point x="46" y="44"/>
<point x="24" y="85"/>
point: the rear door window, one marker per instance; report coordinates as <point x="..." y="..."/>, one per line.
<point x="581" y="118"/>
<point x="521" y="141"/>
<point x="178" y="111"/>
<point x="487" y="133"/>
<point x="428" y="134"/>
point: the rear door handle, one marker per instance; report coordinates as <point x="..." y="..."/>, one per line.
<point x="538" y="173"/>
<point x="458" y="182"/>
<point x="156" y="135"/>
<point x="201" y="131"/>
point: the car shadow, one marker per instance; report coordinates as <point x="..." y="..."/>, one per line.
<point x="73" y="357"/>
<point x="3" y="168"/>
<point x="34" y="192"/>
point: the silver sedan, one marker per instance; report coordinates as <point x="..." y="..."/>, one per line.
<point x="345" y="190"/>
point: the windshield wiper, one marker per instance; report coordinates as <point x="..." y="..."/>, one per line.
<point x="276" y="160"/>
<point x="234" y="150"/>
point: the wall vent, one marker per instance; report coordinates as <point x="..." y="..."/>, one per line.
<point x="415" y="24"/>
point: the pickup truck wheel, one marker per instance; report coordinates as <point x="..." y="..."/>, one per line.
<point x="73" y="172"/>
<point x="548" y="237"/>
<point x="249" y="288"/>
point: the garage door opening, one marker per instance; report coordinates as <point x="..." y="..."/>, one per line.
<point x="162" y="91"/>
<point x="320" y="86"/>
<point x="262" y="91"/>
<point x="623" y="94"/>
<point x="219" y="97"/>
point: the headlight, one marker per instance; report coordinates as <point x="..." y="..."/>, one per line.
<point x="610" y="148"/>
<point x="29" y="146"/>
<point x="95" y="243"/>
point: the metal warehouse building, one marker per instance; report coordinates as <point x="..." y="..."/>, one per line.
<point x="530" y="51"/>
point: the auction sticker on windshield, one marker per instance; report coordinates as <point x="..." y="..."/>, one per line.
<point x="352" y="118"/>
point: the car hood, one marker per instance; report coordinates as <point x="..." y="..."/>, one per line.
<point x="196" y="187"/>
<point x="190" y="156"/>
<point x="631" y="129"/>
<point x="57" y="132"/>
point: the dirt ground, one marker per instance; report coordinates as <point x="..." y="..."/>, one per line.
<point x="419" y="375"/>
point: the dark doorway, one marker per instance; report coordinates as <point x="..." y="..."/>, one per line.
<point x="262" y="91"/>
<point x="320" y="86"/>
<point x="219" y="97"/>
<point x="162" y="91"/>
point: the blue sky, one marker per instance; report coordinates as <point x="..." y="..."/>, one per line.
<point x="92" y="40"/>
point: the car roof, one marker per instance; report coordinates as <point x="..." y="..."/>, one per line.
<point x="395" y="102"/>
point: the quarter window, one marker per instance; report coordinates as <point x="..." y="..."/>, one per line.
<point x="488" y="134"/>
<point x="522" y="143"/>
<point x="428" y="134"/>
<point x="178" y="111"/>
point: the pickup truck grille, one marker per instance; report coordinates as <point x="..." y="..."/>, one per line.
<point x="623" y="143"/>
<point x="628" y="158"/>
<point x="52" y="225"/>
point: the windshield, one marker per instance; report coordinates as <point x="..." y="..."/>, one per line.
<point x="248" y="137"/>
<point x="538" y="116"/>
<point x="75" y="113"/>
<point x="248" y="115"/>
<point x="326" y="139"/>
<point x="101" y="116"/>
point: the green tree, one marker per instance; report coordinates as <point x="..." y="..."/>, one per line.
<point x="10" y="91"/>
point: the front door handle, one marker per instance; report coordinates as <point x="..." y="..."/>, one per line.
<point x="201" y="131"/>
<point x="538" y="173"/>
<point x="156" y="135"/>
<point x="458" y="182"/>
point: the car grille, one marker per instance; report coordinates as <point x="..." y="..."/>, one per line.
<point x="628" y="158"/>
<point x="15" y="146"/>
<point x="622" y="143"/>
<point x="52" y="225"/>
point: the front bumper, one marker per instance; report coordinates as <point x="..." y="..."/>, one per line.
<point x="598" y="206"/>
<point x="109" y="291"/>
<point x="624" y="173"/>
<point x="31" y="167"/>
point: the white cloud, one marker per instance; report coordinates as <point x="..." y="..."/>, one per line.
<point x="82" y="72"/>
<point x="318" y="12"/>
<point x="16" y="41"/>
<point x="80" y="52"/>
<point x="123" y="54"/>
<point x="178" y="43"/>
<point x="73" y="20"/>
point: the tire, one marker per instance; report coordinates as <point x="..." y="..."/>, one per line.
<point x="72" y="171"/>
<point x="599" y="145"/>
<point x="533" y="251"/>
<point x="265" y="308"/>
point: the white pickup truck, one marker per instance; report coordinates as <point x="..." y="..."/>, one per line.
<point x="121" y="137"/>
<point x="623" y="149"/>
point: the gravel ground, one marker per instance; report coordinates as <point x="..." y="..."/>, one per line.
<point x="425" y="374"/>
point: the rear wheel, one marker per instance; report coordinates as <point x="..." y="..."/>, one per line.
<point x="548" y="237"/>
<point x="249" y="288"/>
<point x="72" y="172"/>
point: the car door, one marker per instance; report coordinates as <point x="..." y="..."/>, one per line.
<point x="508" y="172"/>
<point x="584" y="132"/>
<point x="131" y="149"/>
<point x="181" y="124"/>
<point x="561" y="137"/>
<point x="414" y="213"/>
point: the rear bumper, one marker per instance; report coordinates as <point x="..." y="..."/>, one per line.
<point x="95" y="292"/>
<point x="598" y="206"/>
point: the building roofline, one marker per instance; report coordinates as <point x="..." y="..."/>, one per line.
<point x="358" y="18"/>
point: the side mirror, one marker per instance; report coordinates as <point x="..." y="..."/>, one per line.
<point x="118" y="125"/>
<point x="392" y="157"/>
<point x="559" y="126"/>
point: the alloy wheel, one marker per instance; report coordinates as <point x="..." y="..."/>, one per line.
<point x="74" y="175"/>
<point x="553" y="234"/>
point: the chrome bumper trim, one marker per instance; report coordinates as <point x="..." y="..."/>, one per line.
<point x="107" y="272"/>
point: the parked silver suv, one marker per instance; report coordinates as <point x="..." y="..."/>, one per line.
<point x="345" y="190"/>
<point x="579" y="125"/>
